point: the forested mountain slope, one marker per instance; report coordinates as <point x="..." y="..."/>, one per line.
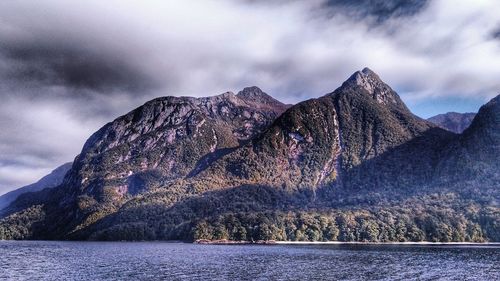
<point x="353" y="165"/>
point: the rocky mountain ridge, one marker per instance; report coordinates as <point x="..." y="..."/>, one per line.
<point x="316" y="141"/>
<point x="170" y="137"/>
<point x="184" y="168"/>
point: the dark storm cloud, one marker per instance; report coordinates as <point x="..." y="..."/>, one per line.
<point x="67" y="64"/>
<point x="379" y="10"/>
<point x="375" y="11"/>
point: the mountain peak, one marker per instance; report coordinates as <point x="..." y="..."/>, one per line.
<point x="371" y="83"/>
<point x="368" y="71"/>
<point x="255" y="95"/>
<point x="492" y="107"/>
<point x="365" y="73"/>
<point x="251" y="91"/>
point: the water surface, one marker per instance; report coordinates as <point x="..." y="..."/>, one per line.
<point x="44" y="260"/>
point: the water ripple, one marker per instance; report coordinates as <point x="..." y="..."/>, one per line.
<point x="45" y="260"/>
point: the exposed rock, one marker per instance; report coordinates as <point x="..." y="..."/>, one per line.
<point x="169" y="136"/>
<point x="369" y="81"/>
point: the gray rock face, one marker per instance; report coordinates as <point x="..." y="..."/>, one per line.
<point x="375" y="87"/>
<point x="168" y="138"/>
<point x="51" y="180"/>
<point x="453" y="121"/>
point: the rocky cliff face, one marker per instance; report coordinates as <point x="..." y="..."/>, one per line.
<point x="169" y="138"/>
<point x="453" y="121"/>
<point x="373" y="86"/>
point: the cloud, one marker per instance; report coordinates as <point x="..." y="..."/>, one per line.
<point x="378" y="10"/>
<point x="36" y="138"/>
<point x="67" y="68"/>
<point x="495" y="34"/>
<point x="36" y="62"/>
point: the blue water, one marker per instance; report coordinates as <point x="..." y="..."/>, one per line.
<point x="41" y="260"/>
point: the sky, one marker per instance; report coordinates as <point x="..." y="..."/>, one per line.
<point x="68" y="67"/>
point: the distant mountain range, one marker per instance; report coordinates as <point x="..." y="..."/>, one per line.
<point x="51" y="180"/>
<point x="453" y="121"/>
<point x="353" y="165"/>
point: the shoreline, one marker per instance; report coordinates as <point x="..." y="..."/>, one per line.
<point x="273" y="242"/>
<point x="386" y="243"/>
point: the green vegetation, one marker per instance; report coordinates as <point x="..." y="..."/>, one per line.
<point x="359" y="225"/>
<point x="254" y="213"/>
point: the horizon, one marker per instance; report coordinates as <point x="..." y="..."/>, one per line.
<point x="68" y="69"/>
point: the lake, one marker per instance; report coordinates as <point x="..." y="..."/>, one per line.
<point x="45" y="260"/>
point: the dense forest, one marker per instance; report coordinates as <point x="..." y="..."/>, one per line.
<point x="255" y="213"/>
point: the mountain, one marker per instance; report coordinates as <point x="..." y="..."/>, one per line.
<point x="169" y="138"/>
<point x="165" y="139"/>
<point x="51" y="180"/>
<point x="476" y="152"/>
<point x="453" y="121"/>
<point x="352" y="165"/>
<point x="315" y="142"/>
